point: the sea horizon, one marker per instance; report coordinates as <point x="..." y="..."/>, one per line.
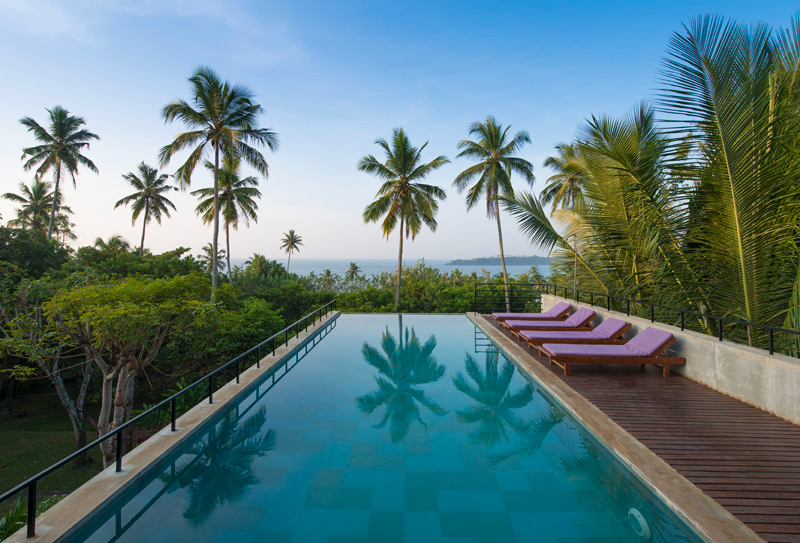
<point x="376" y="266"/>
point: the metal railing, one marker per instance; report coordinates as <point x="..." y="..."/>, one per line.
<point x="272" y="343"/>
<point x="490" y="297"/>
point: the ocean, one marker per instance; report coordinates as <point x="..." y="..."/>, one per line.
<point x="376" y="266"/>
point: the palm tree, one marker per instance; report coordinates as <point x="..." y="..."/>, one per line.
<point x="149" y="197"/>
<point x="207" y="259"/>
<point x="115" y="243"/>
<point x="291" y="242"/>
<point x="496" y="162"/>
<point x="59" y="151"/>
<point x="565" y="188"/>
<point x="495" y="403"/>
<point x="223" y="119"/>
<point x="236" y="200"/>
<point x="402" y="198"/>
<point x="403" y="368"/>
<point x="35" y="202"/>
<point x="327" y="279"/>
<point x="352" y="272"/>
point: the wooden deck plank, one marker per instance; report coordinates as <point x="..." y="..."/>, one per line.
<point x="748" y="460"/>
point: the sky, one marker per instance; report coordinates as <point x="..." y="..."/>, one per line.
<point x="332" y="78"/>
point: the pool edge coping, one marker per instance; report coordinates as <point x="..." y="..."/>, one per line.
<point x="709" y="519"/>
<point x="83" y="504"/>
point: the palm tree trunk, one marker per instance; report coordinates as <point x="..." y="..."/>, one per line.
<point x="216" y="224"/>
<point x="144" y="226"/>
<point x="502" y="256"/>
<point x="399" y="268"/>
<point x="289" y="262"/>
<point x="228" y="250"/>
<point x="55" y="202"/>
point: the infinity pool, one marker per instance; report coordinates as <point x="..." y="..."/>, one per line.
<point x="391" y="429"/>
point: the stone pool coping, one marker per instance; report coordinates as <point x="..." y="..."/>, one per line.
<point x="705" y="516"/>
<point x="73" y="512"/>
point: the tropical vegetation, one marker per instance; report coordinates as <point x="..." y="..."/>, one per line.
<point x="149" y="197"/>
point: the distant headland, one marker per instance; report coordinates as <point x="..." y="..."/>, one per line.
<point x="495" y="261"/>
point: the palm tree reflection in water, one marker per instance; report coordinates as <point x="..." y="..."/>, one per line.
<point x="404" y="366"/>
<point x="222" y="471"/>
<point x="495" y="406"/>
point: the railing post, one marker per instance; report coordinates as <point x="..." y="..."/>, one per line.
<point x="719" y="320"/>
<point x="286" y="339"/>
<point x="683" y="318"/>
<point x="174" y="409"/>
<point x="591" y="299"/>
<point x="210" y="389"/>
<point x="258" y="356"/>
<point x="32" y="509"/>
<point x="119" y="451"/>
<point x="628" y="310"/>
<point x="608" y="302"/>
<point x="237" y="371"/>
<point x="273" y="345"/>
<point x="652" y="313"/>
<point x="771" y="341"/>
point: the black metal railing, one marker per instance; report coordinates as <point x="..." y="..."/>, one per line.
<point x="270" y="344"/>
<point x="490" y="297"/>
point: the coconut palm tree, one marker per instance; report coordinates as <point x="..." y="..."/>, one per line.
<point x="494" y="152"/>
<point x="236" y="200"/>
<point x="60" y="151"/>
<point x="352" y="272"/>
<point x="222" y="119"/>
<point x="402" y="200"/>
<point x="327" y="279"/>
<point x="290" y="243"/>
<point x="115" y="243"/>
<point x="35" y="201"/>
<point x="495" y="405"/>
<point x="403" y="368"/>
<point x="149" y="197"/>
<point x="207" y="259"/>
<point x="565" y="188"/>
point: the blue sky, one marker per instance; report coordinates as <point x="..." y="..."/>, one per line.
<point x="332" y="77"/>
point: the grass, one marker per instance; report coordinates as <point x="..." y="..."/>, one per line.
<point x="36" y="434"/>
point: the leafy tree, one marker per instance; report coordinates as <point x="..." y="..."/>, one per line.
<point x="30" y="251"/>
<point x="222" y="118"/>
<point x="149" y="197"/>
<point x="124" y="263"/>
<point x="60" y="151"/>
<point x="402" y="199"/>
<point x="403" y="368"/>
<point x="290" y="243"/>
<point x="236" y="199"/>
<point x="495" y="405"/>
<point x="492" y="174"/>
<point x="120" y="326"/>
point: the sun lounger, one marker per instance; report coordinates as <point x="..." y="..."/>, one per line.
<point x="644" y="348"/>
<point x="558" y="311"/>
<point x="577" y="321"/>
<point x="609" y="331"/>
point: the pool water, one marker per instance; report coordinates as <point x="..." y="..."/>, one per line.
<point x="390" y="429"/>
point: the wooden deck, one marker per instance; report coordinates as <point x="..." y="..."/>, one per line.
<point x="748" y="460"/>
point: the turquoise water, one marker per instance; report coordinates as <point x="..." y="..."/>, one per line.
<point x="390" y="429"/>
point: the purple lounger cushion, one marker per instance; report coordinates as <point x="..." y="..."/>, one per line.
<point x="648" y="342"/>
<point x="551" y="313"/>
<point x="604" y="331"/>
<point x="574" y="321"/>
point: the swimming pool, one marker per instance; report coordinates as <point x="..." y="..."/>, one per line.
<point x="392" y="428"/>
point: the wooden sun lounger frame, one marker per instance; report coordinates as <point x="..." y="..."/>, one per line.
<point x="534" y="328"/>
<point x="560" y="317"/>
<point x="564" y="362"/>
<point x="613" y="340"/>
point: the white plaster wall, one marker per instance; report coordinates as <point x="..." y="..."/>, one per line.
<point x="770" y="382"/>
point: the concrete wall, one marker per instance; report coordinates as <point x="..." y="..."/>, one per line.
<point x="770" y="382"/>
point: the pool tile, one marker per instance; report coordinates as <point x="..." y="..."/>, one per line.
<point x="339" y="498"/>
<point x="512" y="480"/>
<point x="479" y="501"/>
<point x="328" y="478"/>
<point x="421" y="526"/>
<point x="484" y="527"/>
